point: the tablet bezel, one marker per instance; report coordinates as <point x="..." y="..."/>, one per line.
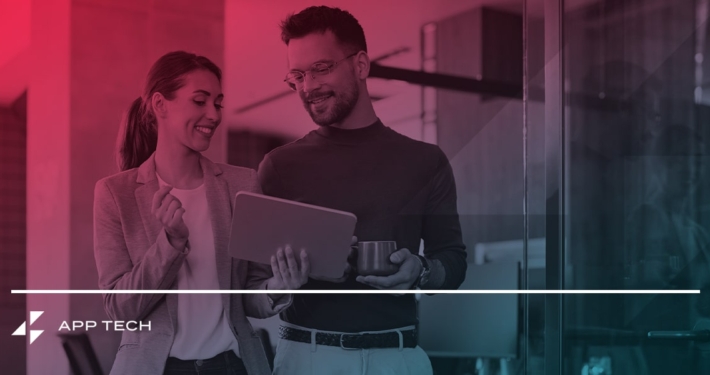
<point x="255" y="236"/>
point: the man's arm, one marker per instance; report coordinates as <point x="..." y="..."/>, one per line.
<point x="268" y="177"/>
<point x="444" y="251"/>
<point x="443" y="244"/>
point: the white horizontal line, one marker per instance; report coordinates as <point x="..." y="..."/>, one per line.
<point x="261" y="291"/>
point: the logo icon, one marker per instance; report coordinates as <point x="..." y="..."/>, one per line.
<point x="34" y="333"/>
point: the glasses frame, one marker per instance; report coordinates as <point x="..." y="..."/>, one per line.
<point x="330" y="67"/>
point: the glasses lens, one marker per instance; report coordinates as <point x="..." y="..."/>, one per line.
<point x="292" y="79"/>
<point x="320" y="69"/>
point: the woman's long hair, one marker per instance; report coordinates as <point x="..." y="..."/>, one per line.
<point x="140" y="131"/>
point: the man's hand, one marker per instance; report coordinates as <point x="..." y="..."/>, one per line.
<point x="287" y="273"/>
<point x="350" y="267"/>
<point x="409" y="270"/>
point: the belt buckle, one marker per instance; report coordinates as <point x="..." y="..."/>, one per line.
<point x="341" y="341"/>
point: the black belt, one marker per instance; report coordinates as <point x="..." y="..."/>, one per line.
<point x="225" y="360"/>
<point x="353" y="340"/>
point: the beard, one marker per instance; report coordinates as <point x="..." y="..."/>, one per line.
<point x="340" y="107"/>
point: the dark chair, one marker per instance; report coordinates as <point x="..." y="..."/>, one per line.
<point x="81" y="355"/>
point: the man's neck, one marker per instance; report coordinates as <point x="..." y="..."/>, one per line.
<point x="361" y="116"/>
<point x="351" y="123"/>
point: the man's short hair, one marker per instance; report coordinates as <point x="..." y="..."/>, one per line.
<point x="319" y="19"/>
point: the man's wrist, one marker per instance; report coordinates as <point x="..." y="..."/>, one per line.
<point x="437" y="275"/>
<point x="424" y="272"/>
<point x="274" y="298"/>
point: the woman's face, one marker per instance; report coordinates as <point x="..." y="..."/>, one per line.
<point x="193" y="115"/>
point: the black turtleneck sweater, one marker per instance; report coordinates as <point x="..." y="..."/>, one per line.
<point x="399" y="189"/>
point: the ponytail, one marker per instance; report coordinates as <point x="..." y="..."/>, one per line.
<point x="140" y="136"/>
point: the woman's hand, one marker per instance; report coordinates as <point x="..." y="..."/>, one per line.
<point x="287" y="273"/>
<point x="168" y="210"/>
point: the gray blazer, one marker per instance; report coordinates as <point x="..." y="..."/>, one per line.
<point x="132" y="252"/>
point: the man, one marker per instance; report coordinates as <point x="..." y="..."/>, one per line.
<point x="400" y="190"/>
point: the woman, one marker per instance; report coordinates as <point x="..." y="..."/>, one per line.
<point x="163" y="223"/>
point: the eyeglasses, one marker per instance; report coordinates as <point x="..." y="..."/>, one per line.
<point x="296" y="78"/>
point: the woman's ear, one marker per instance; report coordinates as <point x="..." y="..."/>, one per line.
<point x="159" y="104"/>
<point x="362" y="65"/>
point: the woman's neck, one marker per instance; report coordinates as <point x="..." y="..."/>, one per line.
<point x="179" y="167"/>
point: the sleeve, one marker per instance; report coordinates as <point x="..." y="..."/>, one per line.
<point x="261" y="305"/>
<point x="157" y="270"/>
<point x="268" y="177"/>
<point x="441" y="227"/>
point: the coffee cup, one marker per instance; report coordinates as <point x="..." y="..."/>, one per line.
<point x="373" y="258"/>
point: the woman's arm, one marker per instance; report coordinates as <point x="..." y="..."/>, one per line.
<point x="285" y="273"/>
<point x="157" y="270"/>
<point x="262" y="305"/>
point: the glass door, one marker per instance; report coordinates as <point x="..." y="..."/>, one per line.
<point x="622" y="131"/>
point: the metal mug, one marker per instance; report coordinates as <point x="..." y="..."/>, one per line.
<point x="373" y="258"/>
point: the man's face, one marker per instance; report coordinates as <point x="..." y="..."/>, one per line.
<point x="328" y="99"/>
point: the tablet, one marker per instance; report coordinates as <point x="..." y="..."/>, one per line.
<point x="261" y="224"/>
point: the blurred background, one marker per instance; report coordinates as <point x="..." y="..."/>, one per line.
<point x="576" y="129"/>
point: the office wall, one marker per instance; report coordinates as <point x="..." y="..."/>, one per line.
<point x="483" y="135"/>
<point x="13" y="141"/>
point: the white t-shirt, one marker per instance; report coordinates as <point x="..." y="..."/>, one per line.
<point x="202" y="328"/>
